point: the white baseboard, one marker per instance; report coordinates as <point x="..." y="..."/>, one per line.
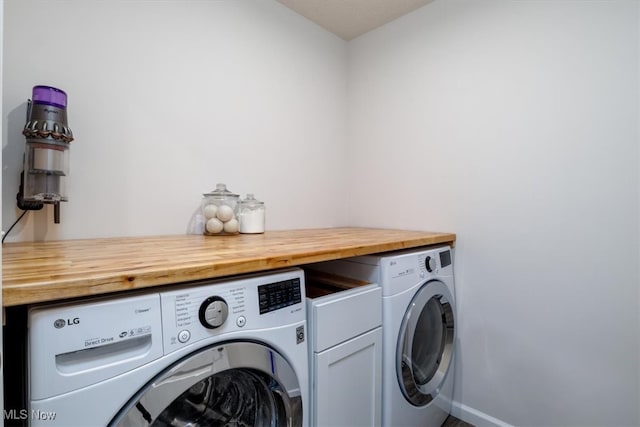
<point x="475" y="417"/>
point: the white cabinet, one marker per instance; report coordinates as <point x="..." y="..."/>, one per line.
<point x="347" y="382"/>
<point x="345" y="347"/>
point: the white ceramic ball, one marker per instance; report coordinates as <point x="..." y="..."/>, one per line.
<point x="214" y="226"/>
<point x="225" y="213"/>
<point x="210" y="211"/>
<point x="231" y="226"/>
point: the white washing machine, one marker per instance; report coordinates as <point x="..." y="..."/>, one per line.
<point x="418" y="331"/>
<point x="225" y="352"/>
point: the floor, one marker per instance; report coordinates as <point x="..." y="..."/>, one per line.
<point x="452" y="421"/>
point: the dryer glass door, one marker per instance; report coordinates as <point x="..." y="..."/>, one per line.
<point x="234" y="384"/>
<point x="425" y="343"/>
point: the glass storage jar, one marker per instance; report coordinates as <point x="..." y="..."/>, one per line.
<point x="251" y="215"/>
<point x="219" y="212"/>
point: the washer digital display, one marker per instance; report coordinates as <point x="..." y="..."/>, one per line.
<point x="277" y="295"/>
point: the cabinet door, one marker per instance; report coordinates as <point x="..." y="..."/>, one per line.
<point x="348" y="381"/>
<point x="340" y="316"/>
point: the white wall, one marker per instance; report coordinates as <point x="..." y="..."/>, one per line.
<point x="168" y="98"/>
<point x="515" y="125"/>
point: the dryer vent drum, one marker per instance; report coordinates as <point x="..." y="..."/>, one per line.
<point x="425" y="345"/>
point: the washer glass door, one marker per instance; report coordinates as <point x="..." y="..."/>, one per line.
<point x="233" y="384"/>
<point x="425" y="343"/>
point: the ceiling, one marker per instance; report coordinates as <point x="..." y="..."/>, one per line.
<point x="350" y="18"/>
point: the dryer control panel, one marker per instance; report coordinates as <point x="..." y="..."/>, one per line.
<point x="397" y="271"/>
<point x="435" y="262"/>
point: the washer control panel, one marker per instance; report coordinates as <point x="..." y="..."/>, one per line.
<point x="207" y="309"/>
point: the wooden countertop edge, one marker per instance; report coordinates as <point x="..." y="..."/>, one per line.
<point x="94" y="284"/>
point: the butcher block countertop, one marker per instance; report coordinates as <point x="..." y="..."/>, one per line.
<point x="48" y="271"/>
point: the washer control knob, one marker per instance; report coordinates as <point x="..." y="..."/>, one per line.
<point x="430" y="264"/>
<point x="213" y="312"/>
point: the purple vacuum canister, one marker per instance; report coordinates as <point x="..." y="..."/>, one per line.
<point x="46" y="160"/>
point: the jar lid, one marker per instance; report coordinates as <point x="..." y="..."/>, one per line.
<point x="251" y="200"/>
<point x="221" y="192"/>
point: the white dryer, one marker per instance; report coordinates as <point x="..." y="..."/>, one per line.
<point x="418" y="331"/>
<point x="225" y="352"/>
